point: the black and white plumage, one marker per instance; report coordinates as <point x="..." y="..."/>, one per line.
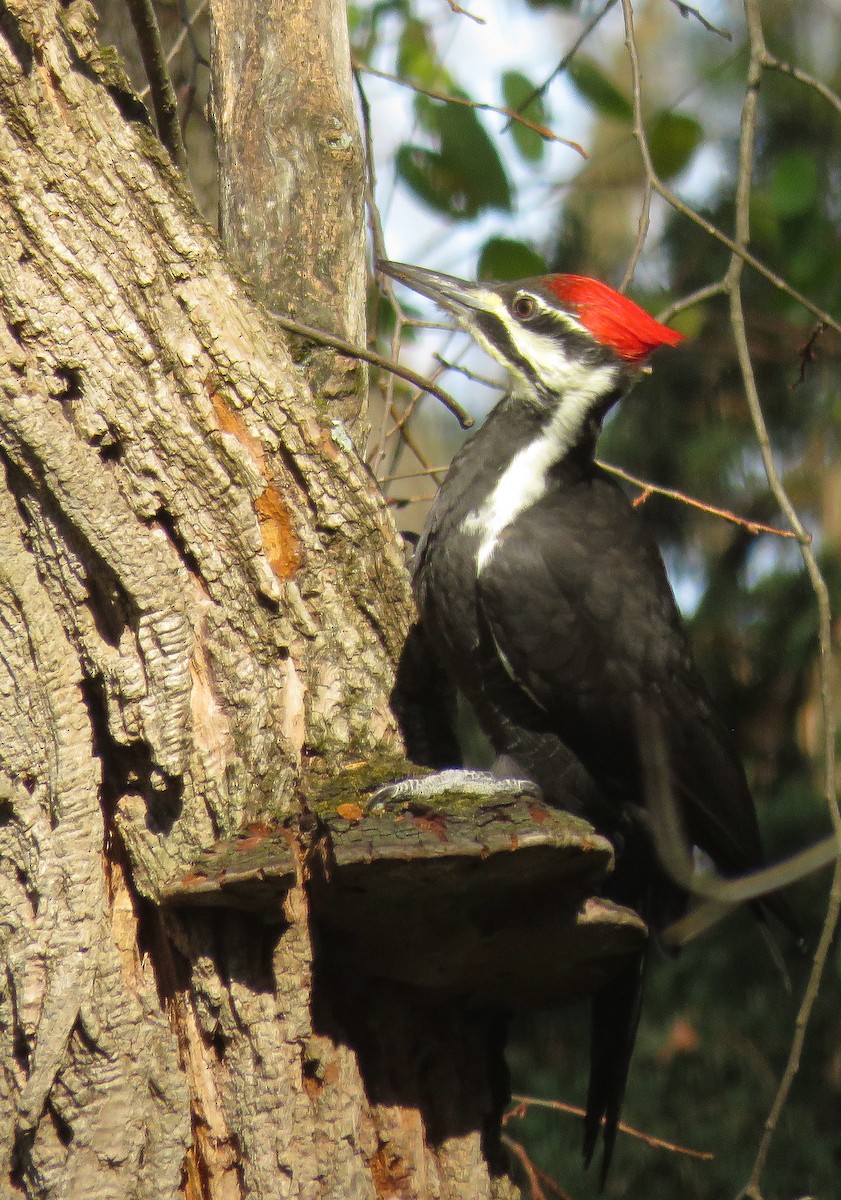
<point x="543" y="596"/>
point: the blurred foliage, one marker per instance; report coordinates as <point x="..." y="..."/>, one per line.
<point x="506" y="258"/>
<point x="462" y="174"/>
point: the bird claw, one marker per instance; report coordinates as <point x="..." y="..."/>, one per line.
<point x="480" y="785"/>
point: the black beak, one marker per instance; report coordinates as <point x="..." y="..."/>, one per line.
<point x="453" y="294"/>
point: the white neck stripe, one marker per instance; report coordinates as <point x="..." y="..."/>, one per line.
<point x="523" y="482"/>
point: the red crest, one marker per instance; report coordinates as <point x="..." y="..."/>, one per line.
<point x="612" y="318"/>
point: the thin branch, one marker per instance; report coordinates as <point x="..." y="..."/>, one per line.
<point x="473" y="376"/>
<point x="686" y="10"/>
<point x="649" y="489"/>
<point x="370" y="356"/>
<point x="569" y="56"/>
<point x="374" y="223"/>
<point x="434" y="471"/>
<point x="697" y="297"/>
<point x="522" y="1103"/>
<point x="643" y="225"/>
<point x="784" y="68"/>
<point x="675" y="853"/>
<point x="807" y="354"/>
<point x="747" y="142"/>
<point x="186" y="31"/>
<point x="462" y="12"/>
<point x="547" y="134"/>
<point x="537" y="1179"/>
<point x="163" y="95"/>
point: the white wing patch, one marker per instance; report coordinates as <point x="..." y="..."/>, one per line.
<point x="510" y="672"/>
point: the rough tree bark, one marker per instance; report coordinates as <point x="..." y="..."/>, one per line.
<point x="202" y="607"/>
<point x="202" y="601"/>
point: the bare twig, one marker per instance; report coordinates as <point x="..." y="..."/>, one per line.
<point x="186" y="31"/>
<point x="642" y="233"/>
<point x="420" y="381"/>
<point x="462" y="12"/>
<point x="675" y="853"/>
<point x="473" y="376"/>
<point x="569" y="56"/>
<point x="434" y="471"/>
<point x="758" y="54"/>
<point x="523" y="1103"/>
<point x="649" y="489"/>
<point x="544" y="132"/>
<point x="807" y="353"/>
<point x="784" y="68"/>
<point x="537" y="1179"/>
<point x="163" y="96"/>
<point x="707" y="292"/>
<point x="686" y="10"/>
<point x="374" y="222"/>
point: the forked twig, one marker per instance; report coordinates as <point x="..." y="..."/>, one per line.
<point x="537" y="1179"/>
<point x="686" y="10"/>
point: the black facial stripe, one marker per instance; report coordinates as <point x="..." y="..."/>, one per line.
<point x="581" y="345"/>
<point x="495" y="330"/>
<point x="551" y="325"/>
<point x="578" y="345"/>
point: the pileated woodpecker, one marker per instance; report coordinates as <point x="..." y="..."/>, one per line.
<point x="546" y="600"/>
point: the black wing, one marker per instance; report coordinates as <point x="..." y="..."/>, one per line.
<point x="578" y="604"/>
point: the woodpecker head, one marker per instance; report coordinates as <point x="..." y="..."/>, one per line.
<point x="558" y="335"/>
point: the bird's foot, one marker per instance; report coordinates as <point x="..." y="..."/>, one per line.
<point x="479" y="785"/>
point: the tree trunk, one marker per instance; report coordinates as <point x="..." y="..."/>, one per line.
<point x="291" y="197"/>
<point x="202" y="601"/>
<point x="224" y="976"/>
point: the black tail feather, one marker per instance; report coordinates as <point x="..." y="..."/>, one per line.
<point x="613" y="1031"/>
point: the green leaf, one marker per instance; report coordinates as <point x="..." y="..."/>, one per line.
<point x="463" y="175"/>
<point x="466" y="144"/>
<point x="516" y="89"/>
<point x="591" y="82"/>
<point x="794" y="184"/>
<point x="504" y="259"/>
<point x="672" y="139"/>
<point x="426" y="174"/>
<point x="417" y="57"/>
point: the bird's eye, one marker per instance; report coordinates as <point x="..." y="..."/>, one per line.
<point x="524" y="307"/>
